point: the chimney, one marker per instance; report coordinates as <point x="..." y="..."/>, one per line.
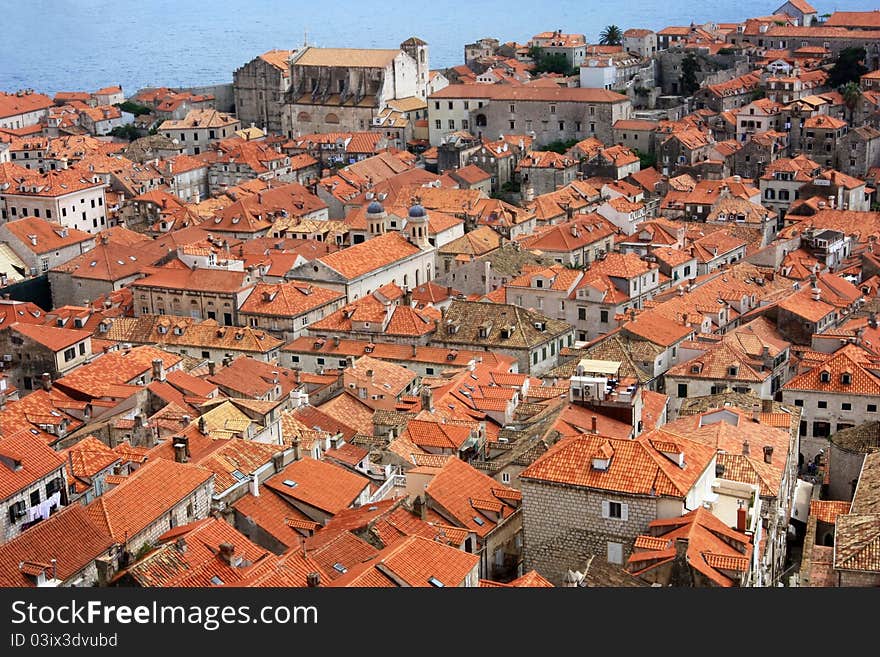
<point x="369" y="374"/>
<point x="254" y="485"/>
<point x="313" y="580"/>
<point x="158" y="370"/>
<point x="203" y="426"/>
<point x="415" y="350"/>
<point x="181" y="448"/>
<point x="767" y="405"/>
<point x="46" y="381"/>
<point x="745" y="448"/>
<point x="872" y="320"/>
<point x="816" y="293"/>
<point x="212" y="367"/>
<point x="741" y="513"/>
<point x="180" y="544"/>
<point x="420" y="508"/>
<point x="756" y="414"/>
<point x="335" y="340"/>
<point x="768" y="453"/>
<point x="427" y="398"/>
<point x="594" y="425"/>
<point x="227" y="550"/>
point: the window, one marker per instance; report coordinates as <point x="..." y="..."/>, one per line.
<point x="512" y="125"/>
<point x="615" y="553"/>
<point x="798" y="402"/>
<point x="82" y="348"/>
<point x="553" y="109"/>
<point x="512" y="108"/>
<point x="872" y="408"/>
<point x="822" y="404"/>
<point x="682" y="390"/>
<point x="562" y="125"/>
<point x="592" y="127"/>
<point x="821" y="429"/>
<point x="603" y="316"/>
<point x="846" y="406"/>
<point x="438" y="124"/>
<point x="505" y="477"/>
<point x="319" y="361"/>
<point x="436" y="104"/>
<point x="449" y="104"/>
<point x="582" y="313"/>
<point x="452" y="124"/>
<point x="69" y="354"/>
<point x="535" y="358"/>
<point x="35" y="498"/>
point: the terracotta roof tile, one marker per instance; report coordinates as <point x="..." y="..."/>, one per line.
<point x="327" y="487"/>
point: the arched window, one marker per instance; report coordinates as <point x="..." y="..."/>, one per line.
<point x="331" y="118"/>
<point x="481" y="120"/>
<point x="304" y="116"/>
<point x="769" y="193"/>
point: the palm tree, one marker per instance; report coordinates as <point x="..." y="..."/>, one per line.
<point x="852" y="94"/>
<point x="611" y="36"/>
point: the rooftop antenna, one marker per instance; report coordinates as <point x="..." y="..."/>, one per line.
<point x="305" y="38"/>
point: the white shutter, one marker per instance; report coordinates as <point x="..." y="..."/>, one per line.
<point x="624" y="511"/>
<point x="605" y="509"/>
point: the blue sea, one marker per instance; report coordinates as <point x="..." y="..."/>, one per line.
<point x="82" y="45"/>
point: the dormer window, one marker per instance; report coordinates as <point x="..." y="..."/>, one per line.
<point x="733" y="370"/>
<point x="824" y="376"/>
<point x="846" y="378"/>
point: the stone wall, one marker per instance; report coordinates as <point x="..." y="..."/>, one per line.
<point x="224" y="96"/>
<point x="563" y="527"/>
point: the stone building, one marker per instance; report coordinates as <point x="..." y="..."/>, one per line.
<point x="259" y="87"/>
<point x="858" y="151"/>
<point x="839" y="393"/>
<point x="200" y="129"/>
<point x="591" y="496"/>
<point x="546" y="113"/>
<point x="344" y="89"/>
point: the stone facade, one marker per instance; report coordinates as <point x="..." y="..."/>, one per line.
<point x="259" y="87"/>
<point x="563" y="527"/>
<point x="858" y="151"/>
<point x="193" y="507"/>
<point x="9" y="529"/>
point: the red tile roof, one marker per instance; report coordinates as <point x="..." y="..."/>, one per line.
<point x="54" y="339"/>
<point x="636" y="467"/>
<point x="26" y="461"/>
<point x="69" y="536"/>
<point x="455" y="488"/>
<point x="154" y="489"/>
<point x="324" y="486"/>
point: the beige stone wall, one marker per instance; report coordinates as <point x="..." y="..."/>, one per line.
<point x="201" y="506"/>
<point x="563" y="527"/>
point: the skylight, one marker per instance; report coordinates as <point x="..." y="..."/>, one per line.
<point x="433" y="581"/>
<point x="216" y="580"/>
<point x="238" y="474"/>
<point x="290" y="483"/>
<point x="340" y="568"/>
<point x="479" y="521"/>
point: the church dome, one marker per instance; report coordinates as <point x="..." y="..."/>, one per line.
<point x="417" y="212"/>
<point x="375" y="208"/>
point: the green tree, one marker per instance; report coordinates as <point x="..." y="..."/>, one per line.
<point x="127" y="131"/>
<point x="689" y="68"/>
<point x="611" y="36"/>
<point x="757" y="94"/>
<point x="848" y="67"/>
<point x="550" y="62"/>
<point x="852" y="94"/>
<point x="133" y="108"/>
<point x="646" y="160"/>
<point x="559" y="146"/>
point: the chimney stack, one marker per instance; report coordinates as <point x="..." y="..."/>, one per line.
<point x="768" y="453"/>
<point x="181" y="448"/>
<point x="158" y="370"/>
<point x="212" y="368"/>
<point x="594" y="424"/>
<point x="872" y="320"/>
<point x="313" y="580"/>
<point x="427" y="397"/>
<point x="227" y="550"/>
<point x="741" y="514"/>
<point x="745" y="450"/>
<point x="767" y="405"/>
<point x="46" y="381"/>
